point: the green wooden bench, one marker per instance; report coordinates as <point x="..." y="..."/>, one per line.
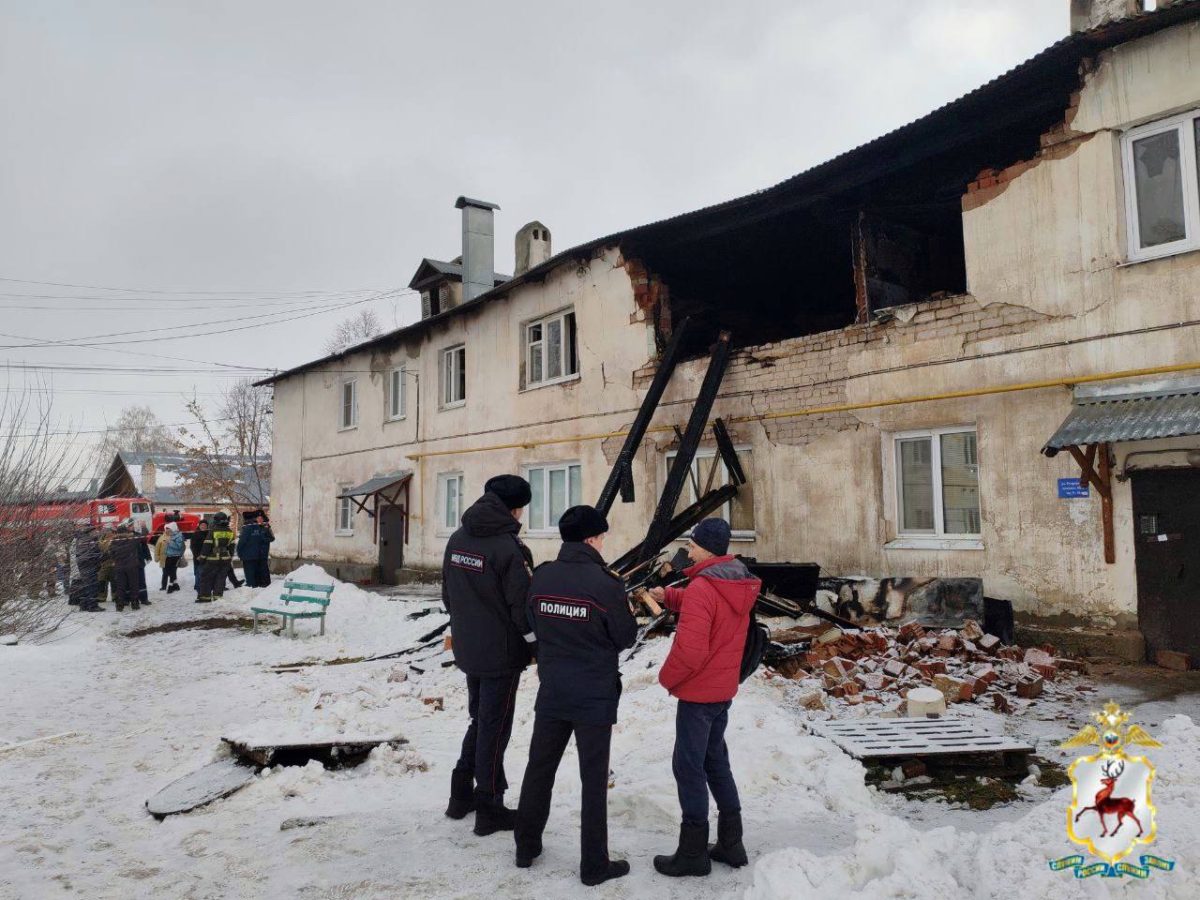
<point x="297" y="592"/>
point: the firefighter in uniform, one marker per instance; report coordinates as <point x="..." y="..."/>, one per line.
<point x="216" y="557"/>
<point x="485" y="585"/>
<point x="582" y="621"/>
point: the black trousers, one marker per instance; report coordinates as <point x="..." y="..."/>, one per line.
<point x="257" y="572"/>
<point x="126" y="585"/>
<point x="490" y="703"/>
<point x="197" y="569"/>
<point x="210" y="580"/>
<point x="229" y="574"/>
<point x="170" y="572"/>
<point x="84" y="588"/>
<point x="550" y="736"/>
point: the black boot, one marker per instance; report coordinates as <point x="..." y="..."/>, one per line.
<point x="728" y="848"/>
<point x="616" y="869"/>
<point x="491" y="815"/>
<point x="144" y="602"/>
<point x="527" y="852"/>
<point x="692" y="856"/>
<point x="462" y="794"/>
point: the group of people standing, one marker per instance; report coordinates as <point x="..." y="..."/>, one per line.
<point x="115" y="560"/>
<point x="572" y="615"/>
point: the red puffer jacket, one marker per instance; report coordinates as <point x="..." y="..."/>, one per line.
<point x="714" y="613"/>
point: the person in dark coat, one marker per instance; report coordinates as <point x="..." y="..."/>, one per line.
<point x="126" y="562"/>
<point x="85" y="569"/>
<point x="485" y="582"/>
<point x="196" y="545"/>
<point x="144" y="556"/>
<point x="582" y="621"/>
<point x="254" y="550"/>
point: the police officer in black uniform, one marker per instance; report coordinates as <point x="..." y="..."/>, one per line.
<point x="485" y="586"/>
<point x="582" y="621"/>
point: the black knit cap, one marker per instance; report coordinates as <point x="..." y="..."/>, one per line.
<point x="580" y="523"/>
<point x="512" y="489"/>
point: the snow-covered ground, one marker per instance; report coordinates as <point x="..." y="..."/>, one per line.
<point x="147" y="710"/>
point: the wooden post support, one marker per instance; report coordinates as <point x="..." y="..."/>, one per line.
<point x="1095" y="467"/>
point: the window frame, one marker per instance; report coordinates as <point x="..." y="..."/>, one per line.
<point x="346" y="505"/>
<point x="568" y="353"/>
<point x="352" y="383"/>
<point x="442" y="480"/>
<point x="938" y="537"/>
<point x="1184" y="125"/>
<point x="446" y="378"/>
<point x="546" y="468"/>
<point x="390" y="414"/>
<point x="745" y="453"/>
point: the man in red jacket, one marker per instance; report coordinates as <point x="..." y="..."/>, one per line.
<point x="702" y="672"/>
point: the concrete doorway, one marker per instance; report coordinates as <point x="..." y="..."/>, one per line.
<point x="391" y="542"/>
<point x="1166" y="522"/>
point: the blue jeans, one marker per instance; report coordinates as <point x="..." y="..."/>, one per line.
<point x="701" y="761"/>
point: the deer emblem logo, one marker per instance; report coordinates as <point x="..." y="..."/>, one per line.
<point x="1106" y="804"/>
<point x="1118" y="784"/>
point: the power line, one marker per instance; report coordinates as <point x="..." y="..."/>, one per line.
<point x="131" y="370"/>
<point x="38" y="302"/>
<point x="128" y="290"/>
<point x="110" y="430"/>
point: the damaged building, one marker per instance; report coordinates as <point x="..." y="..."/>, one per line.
<point x="968" y="348"/>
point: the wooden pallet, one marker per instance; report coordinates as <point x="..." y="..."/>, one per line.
<point x="873" y="738"/>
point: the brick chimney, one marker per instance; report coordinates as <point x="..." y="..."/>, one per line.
<point x="1088" y="14"/>
<point x="533" y="247"/>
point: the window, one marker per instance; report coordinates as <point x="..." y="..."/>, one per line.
<point x="550" y="353"/>
<point x="345" y="513"/>
<point x="1162" y="196"/>
<point x="454" y="376"/>
<point x="708" y="469"/>
<point x="348" y="408"/>
<point x="396" y="394"/>
<point x="937" y="483"/>
<point x="450" y="493"/>
<point x="555" y="489"/>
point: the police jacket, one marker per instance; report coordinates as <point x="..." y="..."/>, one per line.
<point x="582" y="621"/>
<point x="255" y="541"/>
<point x="218" y="545"/>
<point x="485" y="584"/>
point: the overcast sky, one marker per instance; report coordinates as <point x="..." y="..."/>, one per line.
<point x="259" y="150"/>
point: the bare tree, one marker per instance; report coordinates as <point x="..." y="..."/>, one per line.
<point x="358" y="328"/>
<point x="36" y="519"/>
<point x="229" y="458"/>
<point x="139" y="430"/>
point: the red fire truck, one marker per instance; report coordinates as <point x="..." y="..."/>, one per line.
<point x="105" y="512"/>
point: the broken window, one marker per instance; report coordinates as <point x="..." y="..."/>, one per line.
<point x="555" y="488"/>
<point x="709" y="473"/>
<point x="1162" y="186"/>
<point x="348" y="407"/>
<point x="454" y="376"/>
<point x="344" y="524"/>
<point x="550" y="350"/>
<point x="450" y="491"/>
<point x="937" y="483"/>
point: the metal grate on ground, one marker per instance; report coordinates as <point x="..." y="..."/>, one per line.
<point x="866" y="738"/>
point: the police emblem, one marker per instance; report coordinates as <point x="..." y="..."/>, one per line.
<point x="1111" y="812"/>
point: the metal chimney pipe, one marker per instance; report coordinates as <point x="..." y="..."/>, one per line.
<point x="478" y="246"/>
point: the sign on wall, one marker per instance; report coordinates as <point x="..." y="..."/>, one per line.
<point x="1070" y="489"/>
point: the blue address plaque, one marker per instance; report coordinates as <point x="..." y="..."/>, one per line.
<point x="1071" y="489"/>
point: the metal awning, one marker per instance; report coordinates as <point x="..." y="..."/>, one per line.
<point x="1128" y="417"/>
<point x="377" y="484"/>
<point x="385" y="488"/>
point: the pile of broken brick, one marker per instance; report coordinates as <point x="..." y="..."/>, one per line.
<point x="880" y="665"/>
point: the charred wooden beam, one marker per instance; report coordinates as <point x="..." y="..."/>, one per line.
<point x="678" y="526"/>
<point x="728" y="453"/>
<point x="621" y="476"/>
<point x="682" y="465"/>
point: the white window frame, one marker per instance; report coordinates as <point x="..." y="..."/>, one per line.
<point x="539" y="347"/>
<point x="443" y="528"/>
<point x="937" y="539"/>
<point x="345" y="514"/>
<point x="352" y="383"/>
<point x="725" y="510"/>
<point x="546" y="469"/>
<point x="397" y="411"/>
<point x="448" y="381"/>
<point x="1183" y="125"/>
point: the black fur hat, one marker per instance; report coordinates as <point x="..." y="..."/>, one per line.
<point x="581" y="522"/>
<point x="512" y="489"/>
